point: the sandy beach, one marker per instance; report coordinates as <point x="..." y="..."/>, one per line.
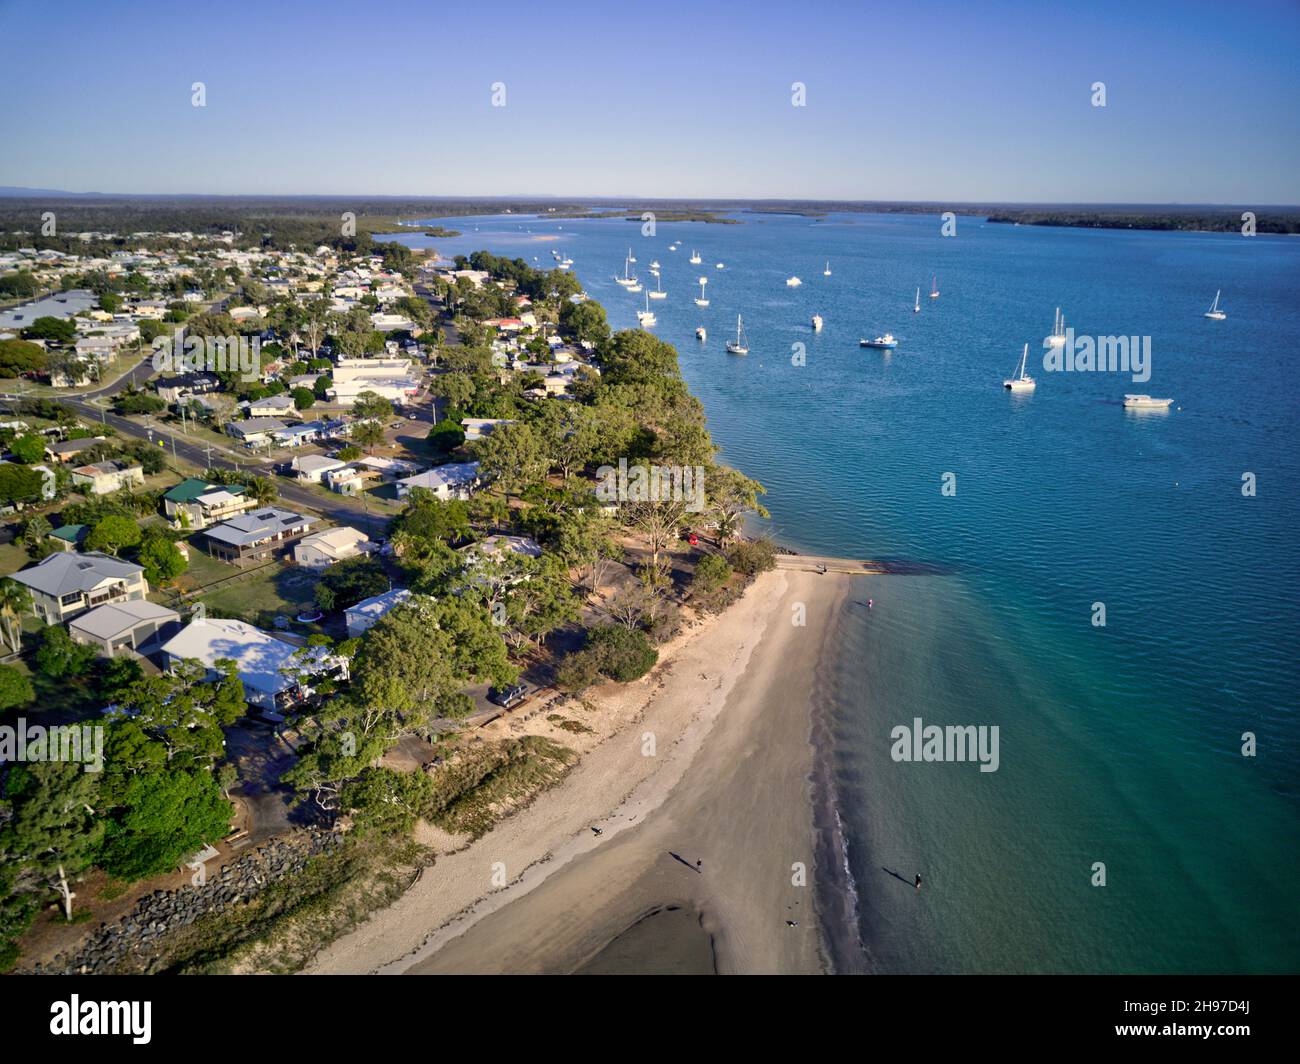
<point x="703" y="800"/>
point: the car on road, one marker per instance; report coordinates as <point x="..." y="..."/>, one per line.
<point x="691" y="538"/>
<point x="505" y="697"/>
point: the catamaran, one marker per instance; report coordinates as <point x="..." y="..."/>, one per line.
<point x="934" y="285"/>
<point x="1145" y="402"/>
<point x="886" y="341"/>
<point x="817" y="323"/>
<point x="695" y="258"/>
<point x="1214" y="313"/>
<point x="916" y="308"/>
<point x="740" y="345"/>
<point x="658" y="293"/>
<point x="827" y="272"/>
<point x="1057" y="339"/>
<point x="702" y="302"/>
<point x="1021" y="382"/>
<point x="646" y="318"/>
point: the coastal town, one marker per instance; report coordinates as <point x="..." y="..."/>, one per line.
<point x="308" y="575"/>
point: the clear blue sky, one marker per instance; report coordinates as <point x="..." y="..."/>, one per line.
<point x="930" y="100"/>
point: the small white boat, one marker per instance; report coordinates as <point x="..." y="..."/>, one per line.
<point x="701" y="301"/>
<point x="1057" y="339"/>
<point x="658" y="292"/>
<point x="563" y="265"/>
<point x="740" y="345"/>
<point x="654" y="265"/>
<point x="1214" y="313"/>
<point x="934" y="285"/>
<point x="635" y="286"/>
<point x="827" y="272"/>
<point x="792" y="282"/>
<point x="719" y="266"/>
<point x="916" y="307"/>
<point x="695" y="258"/>
<point x="701" y="333"/>
<point x="886" y="341"/>
<point x="1021" y="382"/>
<point x="1145" y="402"/>
<point x="817" y="323"/>
<point x="646" y="318"/>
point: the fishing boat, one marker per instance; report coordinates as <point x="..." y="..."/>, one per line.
<point x="1214" y="313"/>
<point x="827" y="272"/>
<point x="658" y="292"/>
<point x="695" y="258"/>
<point x="701" y="301"/>
<point x="646" y="318"/>
<point x="740" y="345"/>
<point x="1057" y="339"/>
<point x="916" y="307"/>
<point x="1145" y="402"/>
<point x="1021" y="382"/>
<point x="817" y="323"/>
<point x="934" y="285"/>
<point x="792" y="282"/>
<point x="886" y="341"/>
<point x="701" y="333"/>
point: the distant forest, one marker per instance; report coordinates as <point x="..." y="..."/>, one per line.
<point x="307" y="221"/>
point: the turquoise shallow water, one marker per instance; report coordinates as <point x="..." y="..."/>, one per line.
<point x="1118" y="744"/>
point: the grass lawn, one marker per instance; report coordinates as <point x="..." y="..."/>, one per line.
<point x="259" y="596"/>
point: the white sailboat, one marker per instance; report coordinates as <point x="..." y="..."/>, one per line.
<point x="654" y="264"/>
<point x="628" y="279"/>
<point x="1057" y="339"/>
<point x="740" y="345"/>
<point x="934" y="286"/>
<point x="646" y="318"/>
<point x="701" y="333"/>
<point x="630" y="256"/>
<point x="702" y="302"/>
<point x="1214" y="313"/>
<point x="817" y="323"/>
<point x="695" y="258"/>
<point x="827" y="272"/>
<point x="1021" y="382"/>
<point x="916" y="307"/>
<point x="658" y="292"/>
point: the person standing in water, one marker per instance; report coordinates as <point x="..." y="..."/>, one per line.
<point x="918" y="881"/>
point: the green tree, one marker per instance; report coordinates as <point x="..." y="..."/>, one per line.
<point x="368" y="434"/>
<point x="59" y="657"/>
<point x="28" y="449"/>
<point x="19" y="356"/>
<point x="15" y="600"/>
<point x="303" y="398"/>
<point x="52" y="330"/>
<point x="512" y="457"/>
<point x="163" y="819"/>
<point x="372" y="405"/>
<point x="15" y="688"/>
<point x="346" y="583"/>
<point x="112" y="534"/>
<point x="161" y="558"/>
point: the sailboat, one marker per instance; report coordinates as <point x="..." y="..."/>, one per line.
<point x="739" y="346"/>
<point x="627" y="280"/>
<point x="1021" y="382"/>
<point x="827" y="272"/>
<point x="630" y="256"/>
<point x="646" y="318"/>
<point x="695" y="257"/>
<point x="658" y="293"/>
<point x="1057" y="339"/>
<point x="916" y="308"/>
<point x="654" y="264"/>
<point x="934" y="286"/>
<point x="702" y="302"/>
<point x="1214" y="313"/>
<point x="817" y="323"/>
<point x="701" y="333"/>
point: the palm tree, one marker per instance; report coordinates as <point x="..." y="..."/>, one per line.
<point x="14" y="601"/>
<point x="263" y="490"/>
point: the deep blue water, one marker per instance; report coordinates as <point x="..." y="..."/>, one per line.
<point x="1120" y="744"/>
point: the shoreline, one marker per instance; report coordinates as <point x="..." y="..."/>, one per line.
<point x="729" y="714"/>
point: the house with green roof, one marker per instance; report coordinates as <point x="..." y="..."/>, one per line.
<point x="195" y="503"/>
<point x="68" y="537"/>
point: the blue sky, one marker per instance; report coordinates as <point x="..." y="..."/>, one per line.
<point x="912" y="100"/>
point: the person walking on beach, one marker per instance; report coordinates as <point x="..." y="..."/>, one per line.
<point x="918" y="881"/>
<point x="698" y="868"/>
<point x="597" y="832"/>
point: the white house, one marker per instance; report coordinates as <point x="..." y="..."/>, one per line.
<point x="313" y="467"/>
<point x="456" y="480"/>
<point x="331" y="545"/>
<point x="366" y="613"/>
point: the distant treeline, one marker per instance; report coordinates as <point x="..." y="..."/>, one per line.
<point x="1198" y="220"/>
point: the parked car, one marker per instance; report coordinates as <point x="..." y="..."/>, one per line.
<point x="691" y="538"/>
<point x="505" y="697"/>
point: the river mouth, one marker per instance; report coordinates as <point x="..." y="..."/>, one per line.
<point x="668" y="940"/>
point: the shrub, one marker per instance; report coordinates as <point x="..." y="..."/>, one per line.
<point x="752" y="556"/>
<point x="622" y="654"/>
<point x="711" y="572"/>
<point x="578" y="671"/>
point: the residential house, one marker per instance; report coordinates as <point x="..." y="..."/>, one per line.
<point x="476" y="428"/>
<point x="67" y="450"/>
<point x="456" y="480"/>
<point x="270" y="406"/>
<point x="366" y="613"/>
<point x="173" y="389"/>
<point x="105" y="477"/>
<point x="331" y="545"/>
<point x="66" y="584"/>
<point x="257" y="535"/>
<point x="269" y="667"/>
<point x="196" y="504"/>
<point x="351" y="479"/>
<point x="68" y="537"/>
<point x="307" y="432"/>
<point x="313" y="467"/>
<point x="392" y="378"/>
<point x="120" y="626"/>
<point x="256" y="431"/>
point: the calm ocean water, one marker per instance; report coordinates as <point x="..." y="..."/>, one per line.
<point x="1119" y="745"/>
